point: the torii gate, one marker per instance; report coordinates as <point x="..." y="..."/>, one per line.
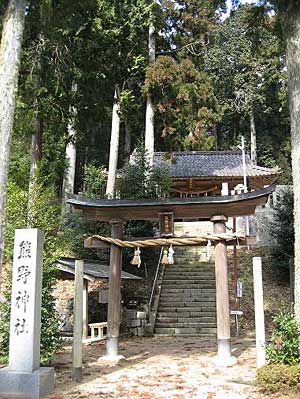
<point x="216" y="209"/>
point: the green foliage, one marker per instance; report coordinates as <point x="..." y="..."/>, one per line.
<point x="73" y="230"/>
<point x="281" y="229"/>
<point x="245" y="61"/>
<point x="273" y="378"/>
<point x="284" y="347"/>
<point x="140" y="181"/>
<point x="183" y="97"/>
<point x="45" y="215"/>
<point x="16" y="215"/>
<point x="94" y="181"/>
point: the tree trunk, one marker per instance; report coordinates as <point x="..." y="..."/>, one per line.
<point x="149" y="128"/>
<point x="253" y="137"/>
<point x="10" y="54"/>
<point x="36" y="138"/>
<point x="292" y="33"/>
<point x="215" y="134"/>
<point x="127" y="145"/>
<point x="36" y="146"/>
<point x="36" y="156"/>
<point x="69" y="176"/>
<point x="114" y="146"/>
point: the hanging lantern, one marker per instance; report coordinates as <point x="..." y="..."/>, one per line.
<point x="164" y="259"/>
<point x="136" y="260"/>
<point x="170" y="255"/>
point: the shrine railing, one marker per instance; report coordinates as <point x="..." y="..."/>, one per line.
<point x="155" y="292"/>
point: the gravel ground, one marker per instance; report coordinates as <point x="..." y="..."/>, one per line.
<point x="160" y="367"/>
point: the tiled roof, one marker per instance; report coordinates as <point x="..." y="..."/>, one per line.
<point x="91" y="268"/>
<point x="209" y="163"/>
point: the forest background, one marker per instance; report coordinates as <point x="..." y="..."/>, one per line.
<point x="213" y="80"/>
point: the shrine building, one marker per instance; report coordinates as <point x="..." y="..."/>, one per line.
<point x="197" y="173"/>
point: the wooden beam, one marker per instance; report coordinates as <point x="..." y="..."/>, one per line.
<point x="224" y="357"/>
<point x="88" y="243"/>
<point x="187" y="208"/>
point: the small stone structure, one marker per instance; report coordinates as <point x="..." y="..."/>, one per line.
<point x="134" y="322"/>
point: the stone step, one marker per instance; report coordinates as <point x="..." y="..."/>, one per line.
<point x="197" y="260"/>
<point x="187" y="301"/>
<point x="193" y="258"/>
<point x="187" y="304"/>
<point x="191" y="265"/>
<point x="190" y="324"/>
<point x="188" y="310"/>
<point x="184" y="331"/>
<point x="188" y="284"/>
<point x="204" y="337"/>
<point x="187" y="315"/>
<point x="191" y="271"/>
<point x="187" y="267"/>
<point x="189" y="279"/>
<point x="194" y="290"/>
<point x="186" y="320"/>
<point x="187" y="298"/>
<point x="191" y="274"/>
<point x="204" y="288"/>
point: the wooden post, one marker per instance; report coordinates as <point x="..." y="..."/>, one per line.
<point x="224" y="357"/>
<point x="114" y="293"/>
<point x="77" y="314"/>
<point x="85" y="310"/>
<point x="259" y="313"/>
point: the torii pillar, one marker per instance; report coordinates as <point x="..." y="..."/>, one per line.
<point x="224" y="357"/>
<point x="114" y="293"/>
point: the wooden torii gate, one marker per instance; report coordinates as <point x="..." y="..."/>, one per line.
<point x="216" y="209"/>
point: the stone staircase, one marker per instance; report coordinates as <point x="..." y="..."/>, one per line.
<point x="187" y="305"/>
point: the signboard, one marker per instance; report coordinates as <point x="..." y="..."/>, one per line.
<point x="239" y="289"/>
<point x="166" y="224"/>
<point x="103" y="296"/>
<point x="24" y="345"/>
<point x="237" y="312"/>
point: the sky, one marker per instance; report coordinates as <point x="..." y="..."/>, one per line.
<point x="242" y="1"/>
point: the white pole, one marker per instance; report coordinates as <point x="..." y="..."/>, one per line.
<point x="244" y="164"/>
<point x="259" y="313"/>
<point x="77" y="312"/>
<point x="245" y="179"/>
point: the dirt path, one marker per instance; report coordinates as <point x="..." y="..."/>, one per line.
<point x="156" y="368"/>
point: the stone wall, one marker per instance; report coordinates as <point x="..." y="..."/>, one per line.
<point x="134" y="322"/>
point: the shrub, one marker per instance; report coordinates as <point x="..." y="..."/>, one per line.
<point x="285" y="341"/>
<point x="282" y="229"/>
<point x="275" y="377"/>
<point x="94" y="181"/>
<point x="45" y="215"/>
<point x="141" y="181"/>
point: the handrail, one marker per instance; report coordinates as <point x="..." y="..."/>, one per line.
<point x="155" y="278"/>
